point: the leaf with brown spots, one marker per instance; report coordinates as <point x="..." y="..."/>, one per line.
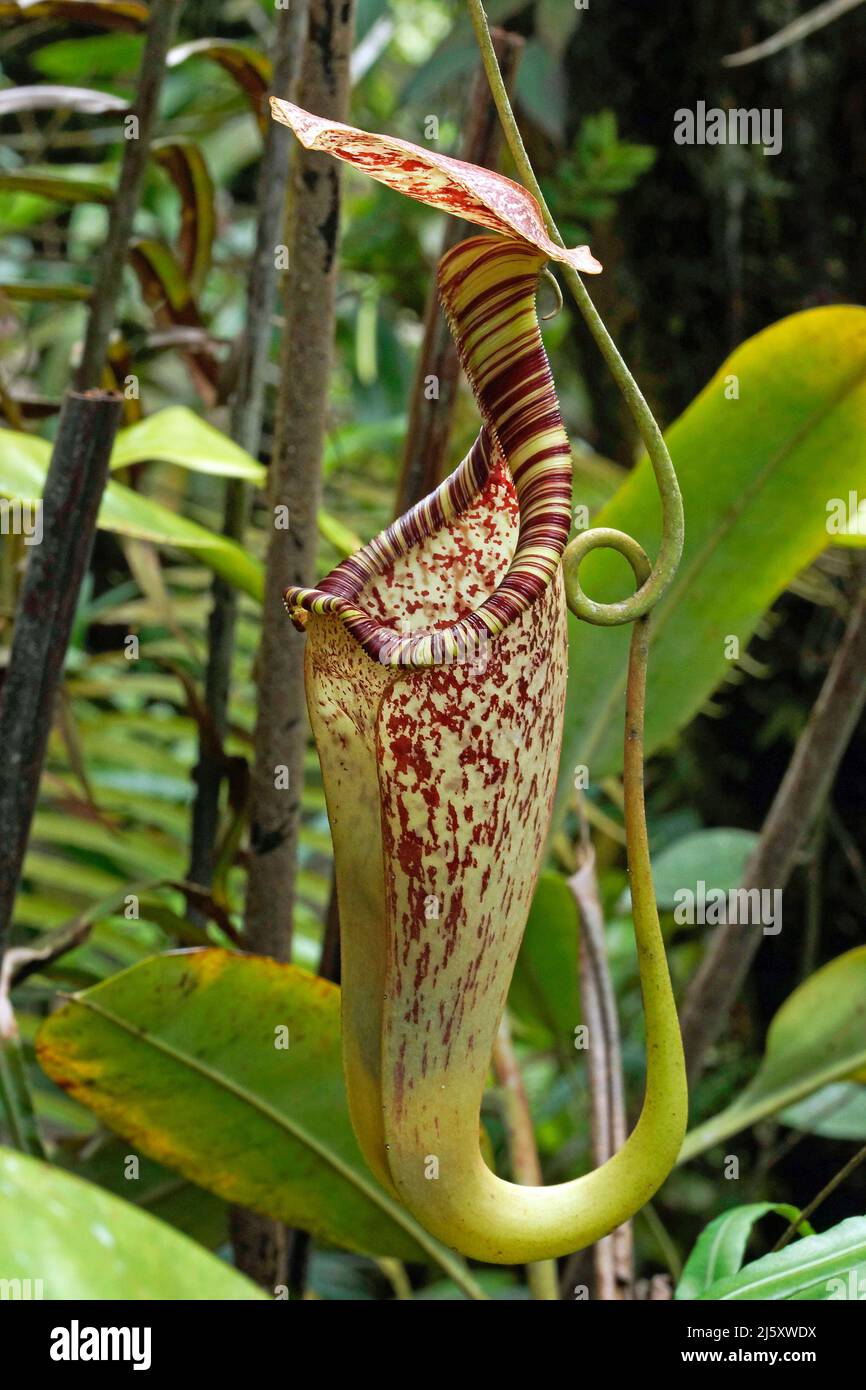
<point x="181" y="1056"/>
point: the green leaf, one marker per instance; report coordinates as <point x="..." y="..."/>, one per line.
<point x="23" y="466"/>
<point x="816" y="1267"/>
<point x="555" y="24"/>
<point x="180" y="1055"/>
<point x="720" y="1247"/>
<point x="541" y="89"/>
<point x="756" y="474"/>
<point x="331" y="529"/>
<point x="818" y="1036"/>
<point x="595" y="479"/>
<point x="177" y="435"/>
<point x="84" y="1243"/>
<point x="89" y="57"/>
<point x="180" y="1204"/>
<point x="835" y="1112"/>
<point x="544" y="992"/>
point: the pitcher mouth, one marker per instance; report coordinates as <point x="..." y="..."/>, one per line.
<point x="487" y="287"/>
<point x="339" y="592"/>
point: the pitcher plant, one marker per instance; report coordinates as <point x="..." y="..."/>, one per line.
<point x="436" y="668"/>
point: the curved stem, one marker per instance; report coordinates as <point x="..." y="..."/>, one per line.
<point x="604" y="614"/>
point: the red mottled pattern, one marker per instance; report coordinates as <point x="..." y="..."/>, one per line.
<point x="466" y="190"/>
<point x="439" y="785"/>
<point x="468" y="764"/>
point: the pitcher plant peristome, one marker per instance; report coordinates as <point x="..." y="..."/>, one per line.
<point x="435" y="673"/>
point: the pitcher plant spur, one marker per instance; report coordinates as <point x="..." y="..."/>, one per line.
<point x="435" y="674"/>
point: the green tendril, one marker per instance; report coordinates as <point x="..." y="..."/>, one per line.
<point x="671" y="548"/>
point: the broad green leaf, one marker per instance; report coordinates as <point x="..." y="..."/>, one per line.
<point x="544" y="993"/>
<point x="84" y="1243"/>
<point x="331" y="529"/>
<point x="818" y="1036"/>
<point x="177" y="435"/>
<point x="835" y="1112"/>
<point x="555" y="24"/>
<point x="757" y="473"/>
<point x="24" y="462"/>
<point x="542" y="90"/>
<point x="180" y="1204"/>
<point x="181" y="1055"/>
<point x="89" y="57"/>
<point x="720" y="1247"/>
<point x="715" y="857"/>
<point x="825" y="1266"/>
<point x="596" y="479"/>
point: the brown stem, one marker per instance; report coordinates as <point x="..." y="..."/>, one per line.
<point x="613" y="1256"/>
<point x="247" y="415"/>
<point x="425" y="459"/>
<point x="44" y="615"/>
<point x="109" y="275"/>
<point x="294" y="482"/>
<point x="803" y="792"/>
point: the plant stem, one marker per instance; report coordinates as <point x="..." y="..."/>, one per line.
<point x="816" y="1202"/>
<point x="295" y="482"/>
<point x="247" y="414"/>
<point x="522" y="1148"/>
<point x="109" y="276"/>
<point x="44" y="616"/>
<point x="640" y="603"/>
<point x="804" y="790"/>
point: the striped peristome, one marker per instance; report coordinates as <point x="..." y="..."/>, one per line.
<point x="488" y="287"/>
